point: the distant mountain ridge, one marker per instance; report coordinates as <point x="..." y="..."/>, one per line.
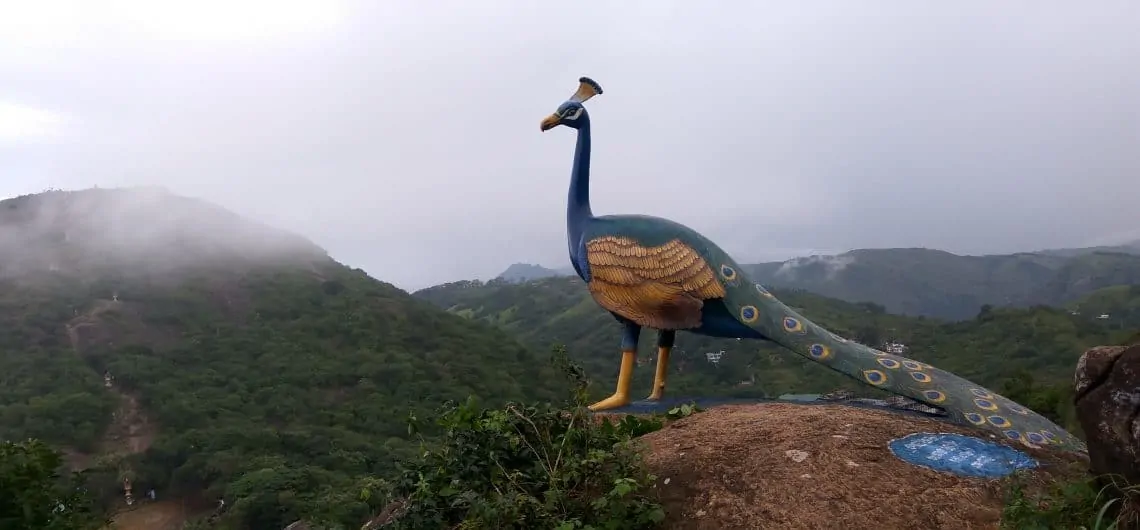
<point x="936" y="283"/>
<point x="1132" y="247"/>
<point x="525" y="272"/>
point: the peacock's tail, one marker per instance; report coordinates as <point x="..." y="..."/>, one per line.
<point x="964" y="402"/>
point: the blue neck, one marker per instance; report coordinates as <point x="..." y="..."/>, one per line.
<point x="578" y="201"/>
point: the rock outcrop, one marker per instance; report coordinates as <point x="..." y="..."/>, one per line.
<point x="792" y="466"/>
<point x="1107" y="395"/>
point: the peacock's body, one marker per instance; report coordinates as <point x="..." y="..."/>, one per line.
<point x="655" y="273"/>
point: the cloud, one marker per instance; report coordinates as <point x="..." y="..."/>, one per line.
<point x="55" y="22"/>
<point x="832" y="265"/>
<point x="403" y="136"/>
<point x="227" y="20"/>
<point x="22" y="123"/>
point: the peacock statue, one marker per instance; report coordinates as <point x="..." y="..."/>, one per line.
<point x="654" y="273"/>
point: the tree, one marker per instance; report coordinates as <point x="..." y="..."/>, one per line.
<point x="869" y="335"/>
<point x="33" y="495"/>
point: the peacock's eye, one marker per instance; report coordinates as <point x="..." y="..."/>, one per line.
<point x="572" y="113"/>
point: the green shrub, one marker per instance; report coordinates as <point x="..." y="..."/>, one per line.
<point x="529" y="466"/>
<point x="1079" y="505"/>
<point x="35" y="496"/>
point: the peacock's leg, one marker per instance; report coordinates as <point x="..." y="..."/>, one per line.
<point x="665" y="340"/>
<point x="629" y="336"/>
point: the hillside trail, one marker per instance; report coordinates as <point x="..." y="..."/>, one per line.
<point x="130" y="432"/>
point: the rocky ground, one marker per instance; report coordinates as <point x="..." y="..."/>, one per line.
<point x="788" y="466"/>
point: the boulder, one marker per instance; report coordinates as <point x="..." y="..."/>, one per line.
<point x="790" y="466"/>
<point x="1107" y="397"/>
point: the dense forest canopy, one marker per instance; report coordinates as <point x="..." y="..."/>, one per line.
<point x="252" y="375"/>
<point x="295" y="374"/>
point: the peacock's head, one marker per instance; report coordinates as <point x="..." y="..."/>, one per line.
<point x="572" y="113"/>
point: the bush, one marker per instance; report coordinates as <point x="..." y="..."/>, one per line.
<point x="34" y="495"/>
<point x="1078" y="504"/>
<point x="539" y="466"/>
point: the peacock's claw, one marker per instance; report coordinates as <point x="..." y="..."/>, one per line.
<point x="613" y="402"/>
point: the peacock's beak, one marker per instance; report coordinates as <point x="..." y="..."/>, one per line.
<point x="550" y="122"/>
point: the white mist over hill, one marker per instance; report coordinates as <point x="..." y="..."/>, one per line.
<point x="146" y="228"/>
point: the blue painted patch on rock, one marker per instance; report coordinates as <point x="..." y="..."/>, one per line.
<point x="961" y="455"/>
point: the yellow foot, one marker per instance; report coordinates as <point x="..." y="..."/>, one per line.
<point x="655" y="396"/>
<point x="612" y="402"/>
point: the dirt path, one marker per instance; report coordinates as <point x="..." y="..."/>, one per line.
<point x="158" y="515"/>
<point x="130" y="432"/>
<point x="87" y="319"/>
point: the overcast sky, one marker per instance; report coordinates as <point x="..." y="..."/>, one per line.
<point x="403" y="136"/>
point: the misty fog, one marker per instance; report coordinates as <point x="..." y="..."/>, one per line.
<point x="137" y="229"/>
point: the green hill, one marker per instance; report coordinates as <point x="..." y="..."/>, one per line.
<point x="243" y="364"/>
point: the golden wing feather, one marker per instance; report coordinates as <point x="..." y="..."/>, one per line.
<point x="662" y="287"/>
